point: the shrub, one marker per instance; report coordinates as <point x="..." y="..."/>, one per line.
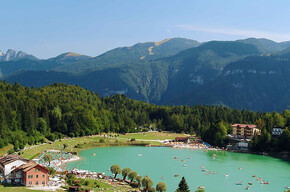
<point x="11" y="151"/>
<point x="134" y="184"/>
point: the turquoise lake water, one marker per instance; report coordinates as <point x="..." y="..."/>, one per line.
<point x="158" y="162"/>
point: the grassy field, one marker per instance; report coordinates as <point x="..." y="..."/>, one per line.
<point x="37" y="150"/>
<point x="105" y="186"/>
<point x="152" y="136"/>
<point x="16" y="189"/>
<point x="5" y="149"/>
<point x="109" y="187"/>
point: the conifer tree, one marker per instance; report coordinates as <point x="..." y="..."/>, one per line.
<point x="182" y="186"/>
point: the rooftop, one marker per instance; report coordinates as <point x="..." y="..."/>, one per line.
<point x="244" y="125"/>
<point x="28" y="166"/>
<point x="11" y="158"/>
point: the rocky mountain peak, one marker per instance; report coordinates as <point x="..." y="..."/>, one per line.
<point x="12" y="55"/>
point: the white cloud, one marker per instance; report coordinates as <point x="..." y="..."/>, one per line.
<point x="238" y="32"/>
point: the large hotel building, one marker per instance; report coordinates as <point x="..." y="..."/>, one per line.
<point x="245" y="131"/>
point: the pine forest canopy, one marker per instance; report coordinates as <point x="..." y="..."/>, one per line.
<point x="58" y="110"/>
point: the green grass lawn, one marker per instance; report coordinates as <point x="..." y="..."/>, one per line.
<point x="16" y="189"/>
<point x="104" y="185"/>
<point x="4" y="150"/>
<point x="152" y="135"/>
<point x="58" y="145"/>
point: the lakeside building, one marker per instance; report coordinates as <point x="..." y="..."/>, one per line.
<point x="18" y="170"/>
<point x="9" y="162"/>
<point x="245" y="130"/>
<point x="31" y="174"/>
<point x="277" y="131"/>
<point x="182" y="139"/>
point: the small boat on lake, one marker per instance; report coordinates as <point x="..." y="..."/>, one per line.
<point x="239" y="183"/>
<point x="204" y="170"/>
<point x="183" y="160"/>
<point x="188" y="157"/>
<point x="248" y="187"/>
<point x="201" y="187"/>
<point x="94" y="154"/>
<point x="265" y="182"/>
<point x="139" y="154"/>
<point x="184" y="165"/>
<point x="175" y="157"/>
<point x="250" y="183"/>
<point x="226" y="175"/>
<point x="176" y="175"/>
<point x="254" y="176"/>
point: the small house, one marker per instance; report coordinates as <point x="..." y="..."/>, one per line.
<point x="182" y="139"/>
<point x="277" y="131"/>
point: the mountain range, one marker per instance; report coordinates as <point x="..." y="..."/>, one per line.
<point x="12" y="55"/>
<point x="251" y="73"/>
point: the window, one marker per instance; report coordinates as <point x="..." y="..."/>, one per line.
<point x="36" y="176"/>
<point x="43" y="176"/>
<point x="43" y="182"/>
<point x="37" y="170"/>
<point x="30" y="176"/>
<point x="30" y="182"/>
<point x="36" y="183"/>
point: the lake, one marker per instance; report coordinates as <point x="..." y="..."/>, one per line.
<point x="158" y="162"/>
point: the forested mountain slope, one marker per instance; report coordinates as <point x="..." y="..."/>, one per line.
<point x="173" y="71"/>
<point x="134" y="54"/>
<point x="29" y="115"/>
<point x="256" y="83"/>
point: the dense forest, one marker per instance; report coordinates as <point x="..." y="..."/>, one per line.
<point x="32" y="115"/>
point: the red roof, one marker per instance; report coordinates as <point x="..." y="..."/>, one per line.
<point x="29" y="166"/>
<point x="244" y="125"/>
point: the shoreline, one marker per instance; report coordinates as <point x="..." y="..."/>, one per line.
<point x="77" y="158"/>
<point x="185" y="146"/>
<point x="279" y="155"/>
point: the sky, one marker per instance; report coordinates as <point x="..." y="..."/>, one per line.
<point x="47" y="28"/>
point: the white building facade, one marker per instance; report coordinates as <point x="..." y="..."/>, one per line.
<point x="277" y="131"/>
